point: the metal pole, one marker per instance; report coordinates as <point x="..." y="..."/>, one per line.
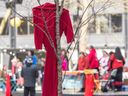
<point x="126" y="29"/>
<point x="126" y="37"/>
<point x="13" y="31"/>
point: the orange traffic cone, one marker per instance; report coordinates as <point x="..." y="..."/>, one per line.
<point x="89" y="85"/>
<point x="8" y="86"/>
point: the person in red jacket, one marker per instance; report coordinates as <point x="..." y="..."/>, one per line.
<point x="92" y="64"/>
<point x="82" y="61"/>
<point x="116" y="65"/>
<point x="92" y="59"/>
<point x="82" y="65"/>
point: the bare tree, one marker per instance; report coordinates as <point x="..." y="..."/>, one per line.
<point x="82" y="22"/>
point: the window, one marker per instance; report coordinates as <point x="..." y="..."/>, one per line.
<point x="105" y="23"/>
<point x="26" y="27"/>
<point x="98" y="24"/>
<point x="91" y="26"/>
<point x="22" y="30"/>
<point x="116" y="21"/>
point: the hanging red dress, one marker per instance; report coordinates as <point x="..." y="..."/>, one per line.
<point x="43" y="16"/>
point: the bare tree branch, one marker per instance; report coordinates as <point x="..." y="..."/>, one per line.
<point x="84" y="23"/>
<point x="100" y="9"/>
<point x="78" y="27"/>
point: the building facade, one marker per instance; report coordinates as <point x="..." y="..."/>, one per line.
<point x="103" y="24"/>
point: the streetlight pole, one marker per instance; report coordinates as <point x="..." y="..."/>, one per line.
<point x="126" y="27"/>
<point x="12" y="5"/>
<point x="13" y="29"/>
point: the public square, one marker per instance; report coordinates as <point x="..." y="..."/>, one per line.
<point x="69" y="47"/>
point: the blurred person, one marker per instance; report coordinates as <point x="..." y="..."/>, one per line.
<point x="64" y="60"/>
<point x="92" y="59"/>
<point x="31" y="54"/>
<point x="34" y="57"/>
<point x="18" y="74"/>
<point x="82" y="61"/>
<point x="91" y="78"/>
<point x="116" y="65"/>
<point x="41" y="63"/>
<point x="14" y="62"/>
<point x="82" y="65"/>
<point x="103" y="63"/>
<point x="111" y="53"/>
<point x="3" y="77"/>
<point x="29" y="73"/>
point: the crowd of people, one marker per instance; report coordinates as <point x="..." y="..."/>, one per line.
<point x="23" y="73"/>
<point x="110" y="63"/>
<point x="27" y="72"/>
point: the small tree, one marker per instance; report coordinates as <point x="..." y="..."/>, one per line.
<point x="83" y="20"/>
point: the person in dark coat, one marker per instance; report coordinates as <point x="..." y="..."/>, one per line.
<point x="29" y="73"/>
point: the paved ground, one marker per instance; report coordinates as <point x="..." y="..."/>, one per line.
<point x="73" y="93"/>
<point x="19" y="92"/>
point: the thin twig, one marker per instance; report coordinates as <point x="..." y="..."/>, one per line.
<point x="88" y="19"/>
<point x="77" y="29"/>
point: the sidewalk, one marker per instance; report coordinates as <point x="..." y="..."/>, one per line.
<point x="19" y="92"/>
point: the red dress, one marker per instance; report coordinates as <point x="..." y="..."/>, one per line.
<point x="47" y="11"/>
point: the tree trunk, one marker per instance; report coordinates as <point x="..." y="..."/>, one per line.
<point x="58" y="49"/>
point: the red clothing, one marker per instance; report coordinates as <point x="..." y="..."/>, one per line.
<point x="82" y="63"/>
<point x="89" y="85"/>
<point x="115" y="62"/>
<point x="92" y="59"/>
<point x="8" y="85"/>
<point x="47" y="11"/>
<point x="13" y="69"/>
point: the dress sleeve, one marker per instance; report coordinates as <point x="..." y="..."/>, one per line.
<point x="38" y="33"/>
<point x="67" y="26"/>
